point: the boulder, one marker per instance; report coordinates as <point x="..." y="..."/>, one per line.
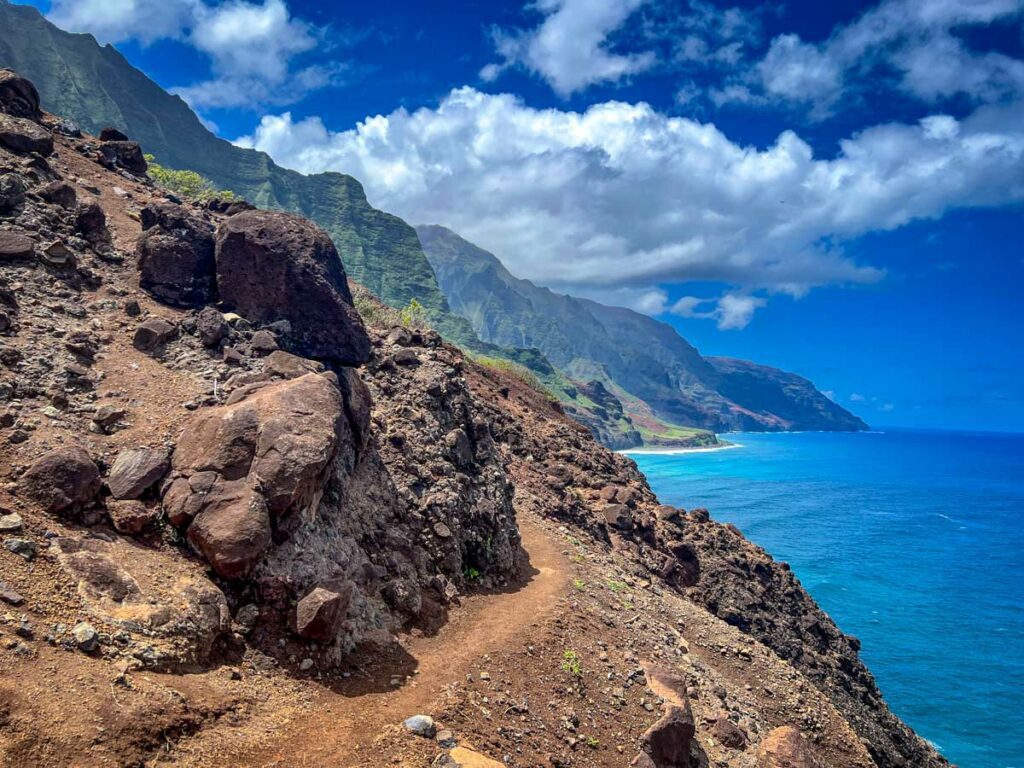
<point x="785" y="748"/>
<point x="275" y="266"/>
<point x="18" y="97"/>
<point x="14" y="245"/>
<point x="176" y="256"/>
<point x="318" y="614"/>
<point x="667" y="742"/>
<point x="132" y="517"/>
<point x="152" y="333"/>
<point x="124" y="154"/>
<point x="65" y="479"/>
<point x="111" y="134"/>
<point x="59" y="193"/>
<point x="728" y="734"/>
<point x="136" y="470"/>
<point x="211" y="327"/>
<point x="91" y="221"/>
<point x="21" y="135"/>
<point x="261" y="457"/>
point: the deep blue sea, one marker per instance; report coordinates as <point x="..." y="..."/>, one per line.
<point x="912" y="541"/>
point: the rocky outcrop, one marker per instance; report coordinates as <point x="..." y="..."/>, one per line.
<point x="274" y="267"/>
<point x="180" y="611"/>
<point x="18" y="96"/>
<point x="176" y="256"/>
<point x="136" y="470"/>
<point x="123" y="154"/>
<point x="242" y="469"/>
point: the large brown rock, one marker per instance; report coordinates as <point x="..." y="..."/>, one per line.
<point x="124" y="154"/>
<point x="135" y="470"/>
<point x="318" y="614"/>
<point x="62" y="480"/>
<point x="19" y="134"/>
<point x="785" y="748"/>
<point x="262" y="457"/>
<point x="18" y="97"/>
<point x="277" y="266"/>
<point x="667" y="742"/>
<point x="176" y="256"/>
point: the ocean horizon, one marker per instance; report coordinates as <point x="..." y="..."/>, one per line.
<point x="910" y="539"/>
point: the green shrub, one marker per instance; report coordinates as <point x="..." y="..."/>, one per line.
<point x="571" y="663"/>
<point x="413" y="315"/>
<point x="186" y="184"/>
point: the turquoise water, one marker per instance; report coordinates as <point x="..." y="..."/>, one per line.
<point x="912" y="541"/>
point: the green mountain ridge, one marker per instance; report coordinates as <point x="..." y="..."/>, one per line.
<point x="659" y="374"/>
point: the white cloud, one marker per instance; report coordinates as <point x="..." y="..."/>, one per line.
<point x="569" y="48"/>
<point x="622" y="197"/>
<point x="112" y="21"/>
<point x="252" y="46"/>
<point x="732" y="311"/>
<point x="916" y="40"/>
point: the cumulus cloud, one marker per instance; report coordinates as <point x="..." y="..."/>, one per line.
<point x="918" y="44"/>
<point x="570" y="47"/>
<point x="623" y="198"/>
<point x="731" y="311"/>
<point x="252" y="46"/>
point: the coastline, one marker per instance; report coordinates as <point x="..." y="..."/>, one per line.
<point x="674" y="450"/>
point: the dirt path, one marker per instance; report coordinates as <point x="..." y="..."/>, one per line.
<point x="343" y="724"/>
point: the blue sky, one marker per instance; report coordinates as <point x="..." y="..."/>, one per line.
<point x="833" y="188"/>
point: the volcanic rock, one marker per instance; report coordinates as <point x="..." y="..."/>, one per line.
<point x="152" y="333"/>
<point x="318" y="614"/>
<point x="15" y="246"/>
<point x="65" y="479"/>
<point x="176" y="256"/>
<point x="21" y="135"/>
<point x="124" y="154"/>
<point x="135" y="470"/>
<point x="18" y="97"/>
<point x="277" y="266"/>
<point x="785" y="748"/>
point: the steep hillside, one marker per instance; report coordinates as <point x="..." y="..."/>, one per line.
<point x="648" y="361"/>
<point x="241" y="526"/>
<point x="96" y="87"/>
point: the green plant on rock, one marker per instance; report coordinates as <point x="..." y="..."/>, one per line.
<point x="186" y="184"/>
<point x="469" y="573"/>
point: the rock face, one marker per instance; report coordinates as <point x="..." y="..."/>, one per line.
<point x="667" y="742"/>
<point x="18" y="96"/>
<point x="62" y="480"/>
<point x="176" y="256"/>
<point x="244" y="467"/>
<point x="275" y="266"/>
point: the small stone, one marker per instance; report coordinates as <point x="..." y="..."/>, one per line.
<point x="421" y="725"/>
<point x="446" y="738"/>
<point x="56" y="254"/>
<point x="405" y="357"/>
<point x="11" y="523"/>
<point x="86" y="637"/>
<point x="442" y="531"/>
<point x="21" y="547"/>
<point x="306" y="664"/>
<point x="136" y="470"/>
<point x="318" y="613"/>
<point x="211" y="327"/>
<point x="263" y="342"/>
<point x="153" y="333"/>
<point x="132" y="517"/>
<point x="107" y="416"/>
<point x="9" y="596"/>
<point x="132" y="308"/>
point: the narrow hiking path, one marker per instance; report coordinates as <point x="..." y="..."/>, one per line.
<point x="341" y="726"/>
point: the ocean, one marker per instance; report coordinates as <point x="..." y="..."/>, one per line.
<point x="913" y="541"/>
